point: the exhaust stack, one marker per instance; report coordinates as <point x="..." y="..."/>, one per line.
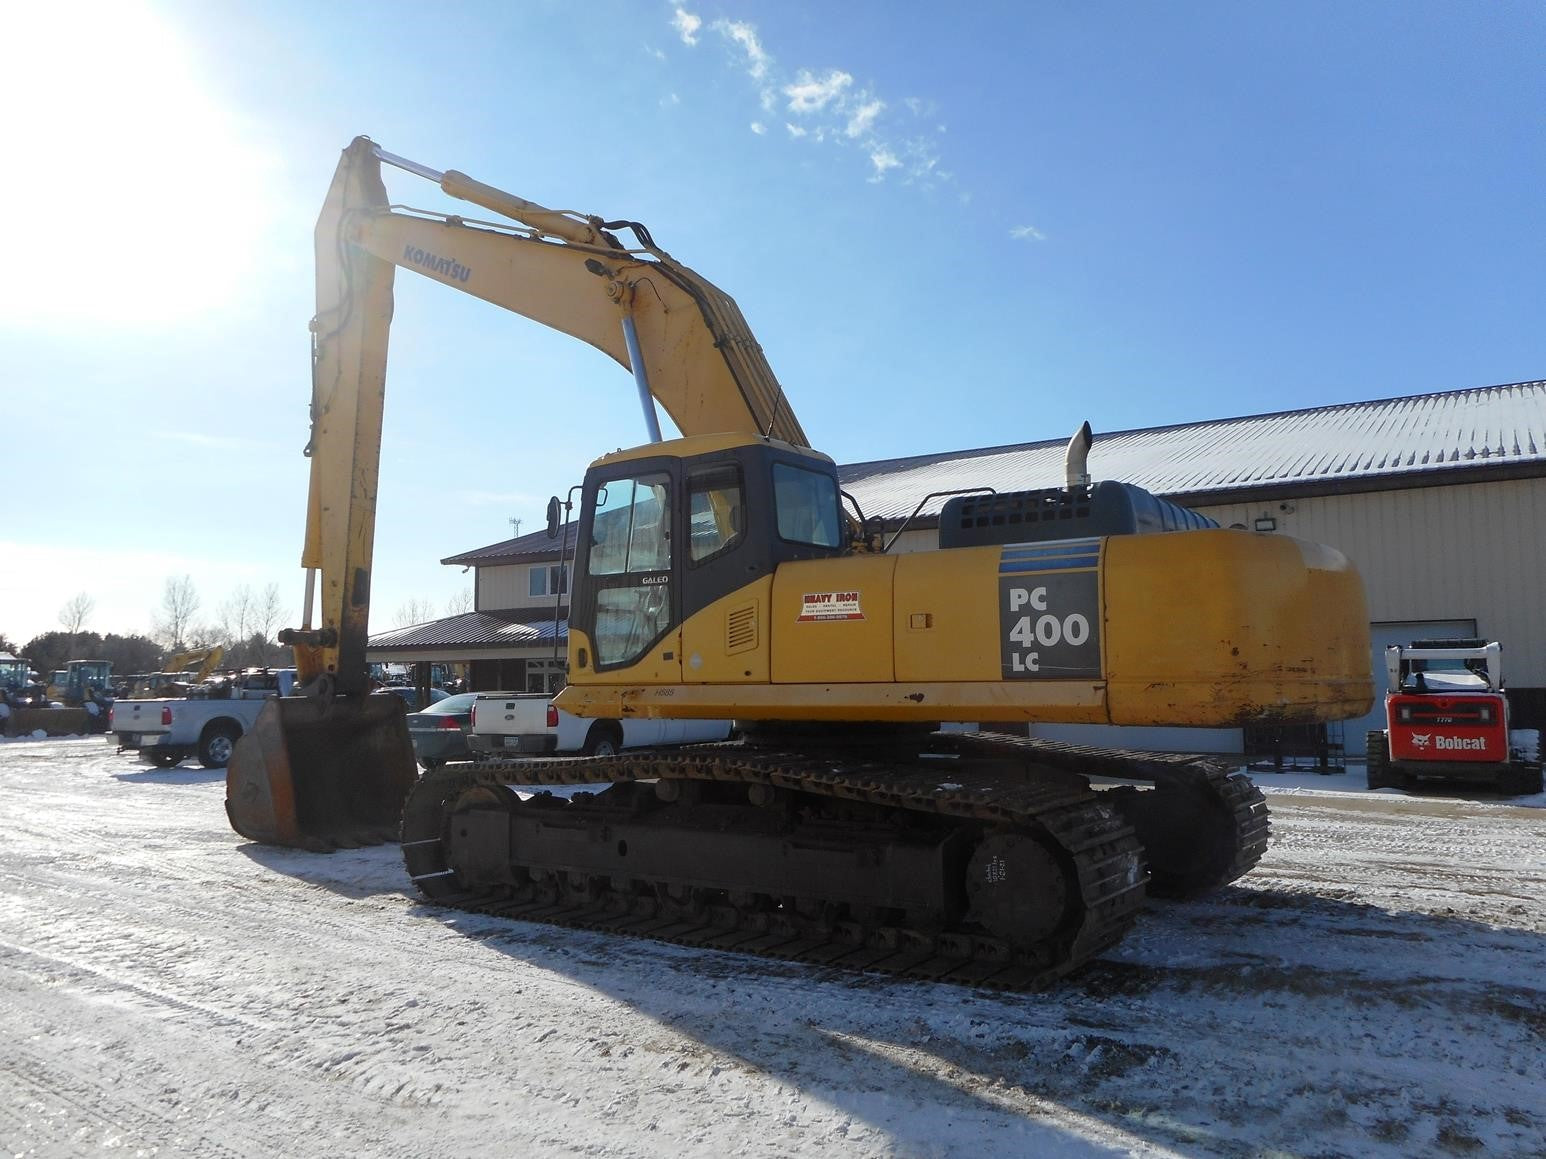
<point x="1076" y="459"/>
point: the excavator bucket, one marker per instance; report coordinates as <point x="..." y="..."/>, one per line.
<point x="52" y="721"/>
<point x="322" y="775"/>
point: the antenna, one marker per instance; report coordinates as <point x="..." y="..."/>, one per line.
<point x="773" y="418"/>
<point x="516" y="524"/>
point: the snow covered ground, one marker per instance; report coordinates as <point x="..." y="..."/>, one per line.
<point x="1377" y="987"/>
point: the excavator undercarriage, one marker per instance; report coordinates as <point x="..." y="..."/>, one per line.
<point x="974" y="858"/>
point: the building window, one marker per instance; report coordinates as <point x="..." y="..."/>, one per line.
<point x="549" y="581"/>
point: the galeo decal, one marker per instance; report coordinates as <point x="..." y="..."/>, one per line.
<point x="1049" y="610"/>
<point x="435" y="264"/>
<point x="829" y="606"/>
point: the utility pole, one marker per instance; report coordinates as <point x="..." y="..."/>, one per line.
<point x="516" y="523"/>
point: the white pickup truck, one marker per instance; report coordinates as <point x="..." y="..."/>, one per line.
<point x="168" y="732"/>
<point x="530" y="724"/>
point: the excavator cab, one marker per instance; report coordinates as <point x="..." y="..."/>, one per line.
<point x="668" y="529"/>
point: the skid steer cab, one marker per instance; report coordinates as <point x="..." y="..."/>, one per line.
<point x="1447" y="718"/>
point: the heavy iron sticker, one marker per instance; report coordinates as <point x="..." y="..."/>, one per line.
<point x="829" y="606"/>
<point x="1049" y="610"/>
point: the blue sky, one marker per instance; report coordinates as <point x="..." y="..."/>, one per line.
<point x="948" y="231"/>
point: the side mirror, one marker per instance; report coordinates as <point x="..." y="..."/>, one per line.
<point x="553" y="513"/>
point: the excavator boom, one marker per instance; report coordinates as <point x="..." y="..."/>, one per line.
<point x="292" y="778"/>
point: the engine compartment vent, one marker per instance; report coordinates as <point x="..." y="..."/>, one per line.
<point x="741" y="629"/>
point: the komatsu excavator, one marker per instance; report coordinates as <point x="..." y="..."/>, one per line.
<point x="722" y="575"/>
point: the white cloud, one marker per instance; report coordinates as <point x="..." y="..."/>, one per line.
<point x="745" y="36"/>
<point x="1027" y="233"/>
<point x="811" y="94"/>
<point x="883" y="160"/>
<point x="686" y="25"/>
<point x="671" y="99"/>
<point x="826" y="106"/>
<point x="862" y="119"/>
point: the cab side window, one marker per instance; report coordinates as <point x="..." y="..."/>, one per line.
<point x="715" y="511"/>
<point x="807" y="506"/>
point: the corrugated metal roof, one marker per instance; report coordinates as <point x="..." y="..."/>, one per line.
<point x="1488" y="427"/>
<point x="532" y="547"/>
<point x="518" y="628"/>
<point x="1492" y="426"/>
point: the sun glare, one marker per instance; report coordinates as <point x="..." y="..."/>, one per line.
<point x="128" y="191"/>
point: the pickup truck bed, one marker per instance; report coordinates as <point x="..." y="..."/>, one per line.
<point x="168" y="732"/>
<point x="528" y="723"/>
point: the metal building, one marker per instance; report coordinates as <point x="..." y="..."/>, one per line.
<point x="1440" y="499"/>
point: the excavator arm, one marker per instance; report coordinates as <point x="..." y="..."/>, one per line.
<point x="208" y="659"/>
<point x="685" y="340"/>
<point x="308" y="770"/>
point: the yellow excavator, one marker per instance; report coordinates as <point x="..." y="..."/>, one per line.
<point x="175" y="681"/>
<point x="725" y="574"/>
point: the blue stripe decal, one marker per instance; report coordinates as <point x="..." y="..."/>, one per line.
<point x="1057" y="545"/>
<point x="1085" y="563"/>
<point x="1059" y="555"/>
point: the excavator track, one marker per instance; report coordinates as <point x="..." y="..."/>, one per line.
<point x="1202" y="826"/>
<point x="1024" y="807"/>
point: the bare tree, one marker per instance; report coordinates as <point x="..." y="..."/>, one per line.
<point x="236" y="616"/>
<point x="459" y="603"/>
<point x="179" y="604"/>
<point x="73" y="615"/>
<point x="267" y="613"/>
<point x="414" y="612"/>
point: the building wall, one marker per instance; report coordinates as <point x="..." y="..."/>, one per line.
<point x="1469" y="551"/>
<point x="504" y="586"/>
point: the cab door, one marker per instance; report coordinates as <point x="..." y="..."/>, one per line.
<point x="627" y="601"/>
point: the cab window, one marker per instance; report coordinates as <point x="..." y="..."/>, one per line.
<point x="715" y="512"/>
<point x="807" y="506"/>
<point x="630" y="562"/>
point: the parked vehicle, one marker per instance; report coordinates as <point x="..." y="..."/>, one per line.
<point x="439" y="732"/>
<point x="77" y="702"/>
<point x="1446" y="717"/>
<point x="512" y="723"/>
<point x="168" y="732"/>
<point x="410" y="695"/>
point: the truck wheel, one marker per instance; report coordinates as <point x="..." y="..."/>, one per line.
<point x="216" y="744"/>
<point x="1377" y="771"/>
<point x="603" y="740"/>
